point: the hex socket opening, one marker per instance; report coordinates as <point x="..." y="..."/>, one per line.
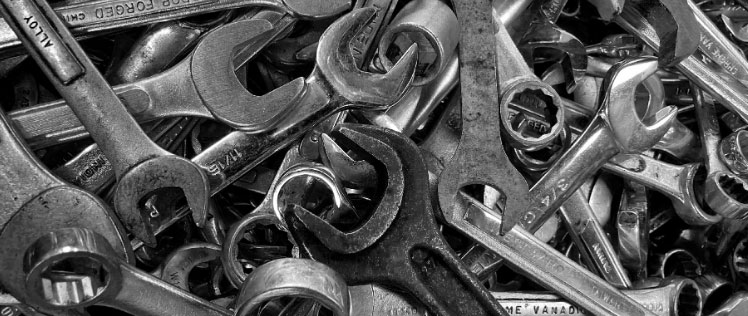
<point x="688" y="301"/>
<point x="74" y="280"/>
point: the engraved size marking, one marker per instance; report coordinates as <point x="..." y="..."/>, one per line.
<point x="39" y="32"/>
<point x="91" y="171"/>
<point x="220" y="165"/>
<point x="362" y="40"/>
<point x="598" y="250"/>
<point x="714" y="52"/>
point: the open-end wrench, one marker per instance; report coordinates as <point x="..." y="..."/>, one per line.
<point x="87" y="18"/>
<point x="670" y="23"/>
<point x="480" y="157"/>
<point x="724" y="192"/>
<point x="412" y="253"/>
<point x="85" y="259"/>
<point x="34" y="201"/>
<point x="616" y="128"/>
<point x="207" y="85"/>
<point x="724" y="88"/>
<point x="139" y="172"/>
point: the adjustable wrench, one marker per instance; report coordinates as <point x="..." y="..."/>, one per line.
<point x="103" y="277"/>
<point x="34" y="201"/>
<point x="91" y="17"/>
<point x="616" y="128"/>
<point x="139" y="172"/>
<point x="724" y="192"/>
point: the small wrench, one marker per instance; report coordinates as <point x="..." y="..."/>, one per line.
<point x="724" y="192"/>
<point x="139" y="172"/>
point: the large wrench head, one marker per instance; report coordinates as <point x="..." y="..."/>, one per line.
<point x="336" y="64"/>
<point x="152" y="175"/>
<point x="632" y="132"/>
<point x="56" y="208"/>
<point x="219" y="88"/>
<point x="380" y="219"/>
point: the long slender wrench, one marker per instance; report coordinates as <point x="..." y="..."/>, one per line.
<point x="90" y="17"/>
<point x="139" y="172"/>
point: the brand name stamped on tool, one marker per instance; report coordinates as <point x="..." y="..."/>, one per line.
<point x="116" y="10"/>
<point x="39" y="32"/>
<point x="543" y="308"/>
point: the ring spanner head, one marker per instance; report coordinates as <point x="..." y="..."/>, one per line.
<point x="380" y="219"/>
<point x="632" y="132"/>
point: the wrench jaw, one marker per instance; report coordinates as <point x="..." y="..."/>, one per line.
<point x="141" y="181"/>
<point x="632" y="133"/>
<point x="336" y="64"/>
<point x="70" y="268"/>
<point x="215" y="80"/>
<point x="381" y="218"/>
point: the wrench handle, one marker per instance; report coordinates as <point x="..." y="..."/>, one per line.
<point x="76" y="78"/>
<point x="144" y="294"/>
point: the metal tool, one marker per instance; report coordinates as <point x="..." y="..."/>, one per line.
<point x="632" y="226"/>
<point x="603" y="139"/>
<point x="76" y="267"/>
<point x="140" y="173"/>
<point x="411" y="243"/>
<point x="34" y="201"/>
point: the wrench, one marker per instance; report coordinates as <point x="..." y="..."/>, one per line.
<point x="522" y="84"/>
<point x="674" y="262"/>
<point x="177" y="266"/>
<point x="604" y="138"/>
<point x="35" y="201"/>
<point x="412" y="254"/>
<point x="724" y="192"/>
<point x="92" y="17"/>
<point x="714" y="290"/>
<point x="677" y="183"/>
<point x="632" y="225"/>
<point x="98" y="277"/>
<point x="139" y="173"/>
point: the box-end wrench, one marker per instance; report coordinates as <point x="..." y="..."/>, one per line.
<point x="84" y="258"/>
<point x="34" y="201"/>
<point x="139" y="172"/>
<point x="518" y="84"/>
<point x="412" y="254"/>
<point x="615" y="128"/>
<point x="679" y="183"/>
<point x="724" y="192"/>
<point x="88" y="18"/>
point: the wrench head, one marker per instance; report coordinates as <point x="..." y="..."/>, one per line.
<point x="56" y="208"/>
<point x="355" y="174"/>
<point x="633" y="133"/>
<point x="146" y="178"/>
<point x="549" y="35"/>
<point x="380" y="219"/>
<point x="727" y="194"/>
<point x="214" y="77"/>
<point x="675" y="25"/>
<point x="335" y="62"/>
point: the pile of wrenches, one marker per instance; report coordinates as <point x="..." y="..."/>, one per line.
<point x="374" y="157"/>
